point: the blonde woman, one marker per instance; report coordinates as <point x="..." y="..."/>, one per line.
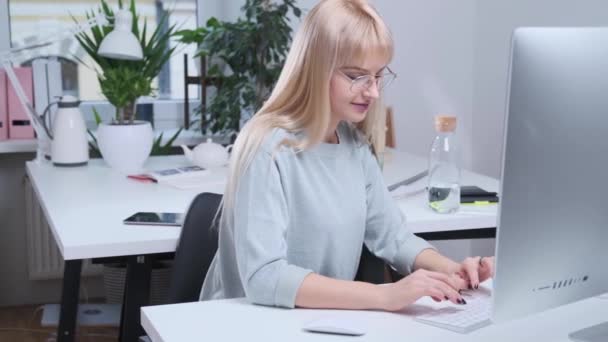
<point x="305" y="191"/>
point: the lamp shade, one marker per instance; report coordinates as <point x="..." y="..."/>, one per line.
<point x="121" y="43"/>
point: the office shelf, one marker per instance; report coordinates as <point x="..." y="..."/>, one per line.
<point x="18" y="146"/>
<point x="186" y="137"/>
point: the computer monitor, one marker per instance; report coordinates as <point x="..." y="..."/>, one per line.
<point x="552" y="237"/>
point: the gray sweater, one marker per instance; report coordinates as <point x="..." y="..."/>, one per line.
<point x="311" y="211"/>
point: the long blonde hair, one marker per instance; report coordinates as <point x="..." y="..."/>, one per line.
<point x="335" y="33"/>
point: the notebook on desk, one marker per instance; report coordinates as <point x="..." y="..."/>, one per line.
<point x="184" y="178"/>
<point x="475" y="194"/>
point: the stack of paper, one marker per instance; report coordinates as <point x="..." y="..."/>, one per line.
<point x="188" y="177"/>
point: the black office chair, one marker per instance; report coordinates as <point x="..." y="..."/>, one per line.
<point x="195" y="250"/>
<point x="371" y="268"/>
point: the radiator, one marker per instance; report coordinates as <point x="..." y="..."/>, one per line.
<point x="44" y="259"/>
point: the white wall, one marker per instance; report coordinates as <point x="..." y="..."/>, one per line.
<point x="495" y="21"/>
<point x="4" y="34"/>
<point x="434" y="61"/>
<point x="207" y="9"/>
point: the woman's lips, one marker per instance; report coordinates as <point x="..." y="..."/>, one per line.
<point x="361" y="107"/>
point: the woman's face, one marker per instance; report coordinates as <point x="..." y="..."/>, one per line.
<point x="350" y="94"/>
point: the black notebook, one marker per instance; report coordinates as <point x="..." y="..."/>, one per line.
<point x="472" y="194"/>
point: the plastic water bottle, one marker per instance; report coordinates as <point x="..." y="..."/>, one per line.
<point x="444" y="168"/>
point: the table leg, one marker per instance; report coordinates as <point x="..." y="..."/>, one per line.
<point x="69" y="301"/>
<point x="137" y="294"/>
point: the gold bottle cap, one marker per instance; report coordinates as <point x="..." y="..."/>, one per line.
<point x="445" y="123"/>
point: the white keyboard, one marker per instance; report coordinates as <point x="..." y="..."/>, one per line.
<point x="462" y="318"/>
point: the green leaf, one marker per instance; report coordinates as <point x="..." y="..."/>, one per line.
<point x="93" y="145"/>
<point x="158" y="139"/>
<point x="170" y="141"/>
<point x="106" y="9"/>
<point x="159" y="149"/>
<point x="213" y="22"/>
<point x="96" y="116"/>
<point x="142" y="38"/>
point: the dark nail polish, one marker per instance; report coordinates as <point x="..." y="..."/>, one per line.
<point x="463" y="301"/>
<point x="476" y="286"/>
<point x="446" y="298"/>
<point x="470" y="287"/>
<point x="459" y="291"/>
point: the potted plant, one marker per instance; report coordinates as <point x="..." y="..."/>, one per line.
<point x="245" y="57"/>
<point x="160" y="147"/>
<point x="125" y="143"/>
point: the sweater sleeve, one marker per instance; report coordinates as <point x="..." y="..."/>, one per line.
<point x="386" y="232"/>
<point x="260" y="223"/>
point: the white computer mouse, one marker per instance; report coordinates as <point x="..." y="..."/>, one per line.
<point x="335" y="325"/>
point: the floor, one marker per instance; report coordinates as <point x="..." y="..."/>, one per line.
<point x="22" y="324"/>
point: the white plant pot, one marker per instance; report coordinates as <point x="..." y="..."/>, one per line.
<point x="125" y="147"/>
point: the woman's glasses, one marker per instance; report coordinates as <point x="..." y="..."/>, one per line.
<point x="364" y="82"/>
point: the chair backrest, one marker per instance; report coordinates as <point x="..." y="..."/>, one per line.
<point x="371" y="268"/>
<point x="195" y="250"/>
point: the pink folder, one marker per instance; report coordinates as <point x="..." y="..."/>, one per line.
<point x="3" y="107"/>
<point x="20" y="126"/>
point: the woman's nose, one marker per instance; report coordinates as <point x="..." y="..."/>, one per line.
<point x="372" y="91"/>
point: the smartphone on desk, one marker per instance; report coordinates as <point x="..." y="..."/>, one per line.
<point x="155" y="219"/>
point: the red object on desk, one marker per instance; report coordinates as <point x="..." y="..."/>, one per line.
<point x="143" y="178"/>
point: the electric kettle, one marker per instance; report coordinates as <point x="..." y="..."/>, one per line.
<point x="69" y="142"/>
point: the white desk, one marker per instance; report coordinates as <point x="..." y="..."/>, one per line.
<point x="420" y="218"/>
<point x="85" y="207"/>
<point x="237" y="320"/>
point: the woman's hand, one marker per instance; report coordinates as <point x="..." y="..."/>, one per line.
<point x="406" y="291"/>
<point x="475" y="270"/>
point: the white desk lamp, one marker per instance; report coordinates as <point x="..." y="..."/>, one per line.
<point x="121" y="43"/>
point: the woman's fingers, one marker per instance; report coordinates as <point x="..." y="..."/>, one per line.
<point x="465" y="278"/>
<point x="448" y="292"/>
<point x="471" y="267"/>
<point x="460" y="281"/>
<point x="443" y="283"/>
<point x="486" y="269"/>
<point x="436" y="294"/>
<point x="456" y="282"/>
